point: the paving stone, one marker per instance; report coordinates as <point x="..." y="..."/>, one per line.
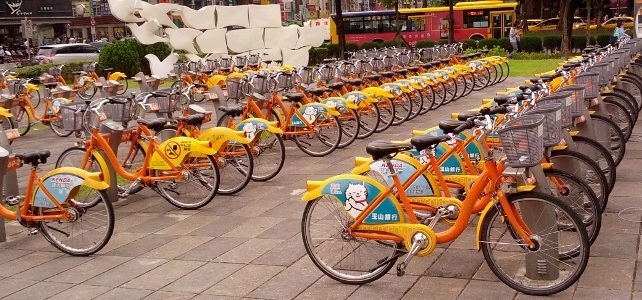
<point x="289" y="283"/>
<point x="481" y="290"/>
<point x="11" y="254"/>
<point x="124" y="294"/>
<point x="212" y="249"/>
<point x="327" y="288"/>
<point x="437" y="288"/>
<point x="222" y="206"/>
<point x="590" y="294"/>
<point x="253" y="227"/>
<point x="387" y="287"/>
<point x="203" y="278"/>
<point x="154" y="225"/>
<point x="420" y="265"/>
<point x="126" y="272"/>
<point x="563" y="295"/>
<point x="81" y="292"/>
<point x="466" y="240"/>
<point x="613" y="224"/>
<point x="288" y="209"/>
<point x="615" y="246"/>
<point x="467" y="264"/>
<point x="10" y="285"/>
<point x="120" y="239"/>
<point x="40" y="290"/>
<point x="162" y="295"/>
<point x="177" y="247"/>
<point x="637" y="296"/>
<point x="284" y="254"/>
<point x="188" y="225"/>
<point x="256" y="208"/>
<point x="284" y="230"/>
<point x="220" y="226"/>
<point x="51" y="268"/>
<point x="215" y="297"/>
<point x="140" y="204"/>
<point x="608" y="273"/>
<point x="89" y="269"/>
<point x="249" y="251"/>
<point x="244" y="280"/>
<point x="142" y="245"/>
<point x="133" y="220"/>
<point x="163" y="275"/>
<point x="637" y="283"/>
<point x="27" y="262"/>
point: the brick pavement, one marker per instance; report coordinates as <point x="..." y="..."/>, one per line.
<point x="249" y="245"/>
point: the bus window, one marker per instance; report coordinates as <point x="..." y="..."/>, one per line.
<point x="476" y="19"/>
<point x="416" y="24"/>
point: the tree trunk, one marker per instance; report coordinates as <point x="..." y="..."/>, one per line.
<point x="425" y="3"/>
<point x="451" y="22"/>
<point x="588" y="22"/>
<point x="566" y="22"/>
<point x="541" y="9"/>
<point x="522" y="14"/>
<point x="338" y="20"/>
<point x="397" y="25"/>
<point x="599" y="18"/>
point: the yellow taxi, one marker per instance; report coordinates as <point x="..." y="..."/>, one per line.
<point x="551" y="24"/>
<point x="531" y="22"/>
<point x="612" y="23"/>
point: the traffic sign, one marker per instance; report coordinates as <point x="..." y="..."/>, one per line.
<point x="92" y="22"/>
<point x="28" y="28"/>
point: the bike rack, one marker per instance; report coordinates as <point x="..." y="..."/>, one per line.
<point x="108" y="88"/>
<point x="147" y="83"/>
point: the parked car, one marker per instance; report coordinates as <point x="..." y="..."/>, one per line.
<point x="66" y="52"/>
<point x="551" y="24"/>
<point x="99" y="45"/>
<point x="531" y="22"/>
<point x="612" y="22"/>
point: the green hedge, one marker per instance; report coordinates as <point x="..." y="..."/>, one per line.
<point x="352" y="47"/>
<point x="425" y="44"/>
<point x="317" y="55"/>
<point x="392" y="43"/>
<point x="531" y="44"/>
<point x="488" y="43"/>
<point x="37" y="70"/>
<point x="603" y="39"/>
<point x="504" y="43"/>
<point x="536" y="56"/>
<point x="552" y="42"/>
<point x="333" y="50"/>
<point x="442" y="42"/>
<point x="370" y="45"/>
<point x="469" y="44"/>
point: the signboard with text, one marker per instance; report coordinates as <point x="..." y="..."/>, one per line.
<point x="20" y="9"/>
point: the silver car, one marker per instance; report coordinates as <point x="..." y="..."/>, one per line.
<point x="63" y="53"/>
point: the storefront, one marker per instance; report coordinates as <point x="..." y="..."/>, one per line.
<point x="49" y="19"/>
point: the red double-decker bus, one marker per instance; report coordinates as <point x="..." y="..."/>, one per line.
<point x="473" y="20"/>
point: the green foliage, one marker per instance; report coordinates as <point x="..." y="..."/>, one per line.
<point x="37" y="70"/>
<point x="497" y="51"/>
<point x="504" y="43"/>
<point x="552" y="42"/>
<point x="393" y="43"/>
<point x="370" y="45"/>
<point x="425" y="44"/>
<point x="442" y="42"/>
<point x="317" y="55"/>
<point x="123" y="56"/>
<point x="388" y="3"/>
<point x="351" y="47"/>
<point x="531" y="44"/>
<point x="333" y="50"/>
<point x="470" y="50"/>
<point x="536" y="56"/>
<point x="603" y="39"/>
<point x="322" y="53"/>
<point x="434" y="3"/>
<point x="469" y="44"/>
<point x="487" y="43"/>
<point x="578" y="42"/>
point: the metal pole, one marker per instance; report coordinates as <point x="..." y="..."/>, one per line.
<point x="116" y="132"/>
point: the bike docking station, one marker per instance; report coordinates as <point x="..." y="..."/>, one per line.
<point x="147" y="83"/>
<point x="108" y="88"/>
<point x="9" y="179"/>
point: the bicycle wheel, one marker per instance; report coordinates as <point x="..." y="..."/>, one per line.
<point x="236" y="165"/>
<point x="614" y="142"/>
<point x="403" y="109"/>
<point x="461" y="86"/>
<point x="131" y="159"/>
<point x="470" y="83"/>
<point x="74" y="156"/>
<point x="125" y="84"/>
<point x="323" y="140"/>
<point x="621" y="116"/>
<point x="90" y="227"/>
<point x="337" y="254"/>
<point x="417" y="103"/>
<point x="368" y="120"/>
<point x="493" y="75"/>
<point x="629" y="98"/>
<point x="428" y="96"/>
<point x="526" y="270"/>
<point x="87" y="91"/>
<point x="34" y="97"/>
<point x="350" y="126"/>
<point x="386" y="114"/>
<point x="505" y="71"/>
<point x="197" y="189"/>
<point x="571" y="190"/>
<point x="634" y="88"/>
<point x="600" y="155"/>
<point x="440" y="95"/>
<point x="22" y="119"/>
<point x="451" y="90"/>
<point x="482" y="79"/>
<point x="57" y="128"/>
<point x="584" y="168"/>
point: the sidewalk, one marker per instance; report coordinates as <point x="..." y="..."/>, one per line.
<point x="249" y="245"/>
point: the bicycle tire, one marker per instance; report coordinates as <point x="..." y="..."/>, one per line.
<point x="59" y="237"/>
<point x="586" y="169"/>
<point x="616" y="144"/>
<point x="505" y="70"/>
<point x="581" y="199"/>
<point x="638" y="88"/>
<point x="451" y="91"/>
<point x="235" y="173"/>
<point x="470" y="83"/>
<point x="417" y="100"/>
<point x="440" y="95"/>
<point x="482" y="80"/>
<point x="493" y="76"/>
<point x="461" y="86"/>
<point x="350" y="126"/>
<point x="600" y="155"/>
<point x="329" y="145"/>
<point x="560" y="210"/>
<point x="368" y="120"/>
<point x="630" y="104"/>
<point x="620" y="116"/>
<point x="403" y="109"/>
<point x="165" y="188"/>
<point x="386" y="109"/>
<point x="83" y="93"/>
<point x="57" y="127"/>
<point x="629" y="98"/>
<point x="20" y="117"/>
<point x="332" y="268"/>
<point x="35" y="98"/>
<point x="428" y="97"/>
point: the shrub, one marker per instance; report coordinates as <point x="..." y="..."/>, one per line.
<point x="333" y="50"/>
<point x="531" y="44"/>
<point x="425" y="44"/>
<point x="352" y="47"/>
<point x="578" y="42"/>
<point x="497" y="51"/>
<point x="370" y="45"/>
<point x="393" y="43"/>
<point x="313" y="58"/>
<point x="469" y="44"/>
<point x="442" y="42"/>
<point x="552" y="42"/>
<point x="322" y="53"/>
<point x="488" y="43"/>
<point x="536" y="56"/>
<point x="119" y="57"/>
<point x="603" y="39"/>
<point x="37" y="70"/>
<point x="504" y="43"/>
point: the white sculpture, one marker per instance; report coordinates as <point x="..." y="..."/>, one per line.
<point x="159" y="12"/>
<point x="183" y="38"/>
<point x="232" y="16"/>
<point x="282" y="37"/>
<point x="146" y="33"/>
<point x="124" y="10"/>
<point x="242" y="40"/>
<point x="163" y="68"/>
<point x="212" y="41"/>
<point x="204" y="18"/>
<point x="309" y="36"/>
<point x="297" y="58"/>
<point x="264" y="16"/>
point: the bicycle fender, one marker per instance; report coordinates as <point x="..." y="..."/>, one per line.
<point x="410" y="85"/>
<point x="252" y="126"/>
<point x="217" y="136"/>
<point x="5" y="113"/>
<point x="215" y="80"/>
<point x="419" y="80"/>
<point x="395" y="89"/>
<point x="479" y="224"/>
<point x="175" y="150"/>
<point x="340" y="103"/>
<point x="355" y="192"/>
<point x="378" y="92"/>
<point x="361" y="165"/>
<point x="117" y="76"/>
<point x="62" y="183"/>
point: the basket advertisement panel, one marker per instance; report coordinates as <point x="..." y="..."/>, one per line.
<point x="59" y="186"/>
<point x="393" y="88"/>
<point x="356" y="195"/>
<point x="310" y="112"/>
<point x="253" y="126"/>
<point x="419" y="80"/>
<point x="420" y="187"/>
<point x="175" y="150"/>
<point x="473" y="149"/>
<point x="55" y="105"/>
<point x="357" y="97"/>
<point x="340" y="104"/>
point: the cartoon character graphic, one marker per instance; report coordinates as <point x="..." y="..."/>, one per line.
<point x="423" y="157"/>
<point x="250" y="130"/>
<point x="310" y="114"/>
<point x="356" y="198"/>
<point x="331" y="102"/>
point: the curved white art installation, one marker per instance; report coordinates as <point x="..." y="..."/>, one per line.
<point x="204" y="18"/>
<point x="183" y="38"/>
<point x="146" y="33"/>
<point x="163" y="68"/>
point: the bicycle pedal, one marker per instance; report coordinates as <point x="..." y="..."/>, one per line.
<point x="32" y="231"/>
<point x="13" y="200"/>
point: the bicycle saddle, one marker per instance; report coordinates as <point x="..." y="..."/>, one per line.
<point x="35" y="158"/>
<point x="387" y="74"/>
<point x="51" y="85"/>
<point x="335" y="85"/>
<point x="194" y="120"/>
<point x="155" y="124"/>
<point x="294" y="97"/>
<point x="355" y="81"/>
<point x="108" y="69"/>
<point x="427" y="141"/>
<point x="454" y="127"/>
<point x="467" y="115"/>
<point x="413" y="69"/>
<point x="372" y="77"/>
<point x="316" y="91"/>
<point x="381" y="149"/>
<point x="502" y="100"/>
<point x="233" y="111"/>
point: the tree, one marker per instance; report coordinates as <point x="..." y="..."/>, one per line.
<point x="451" y="21"/>
<point x="338" y="20"/>
<point x="522" y="13"/>
<point x="567" y="9"/>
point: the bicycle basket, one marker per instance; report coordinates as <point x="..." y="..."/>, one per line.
<point x="14" y="86"/>
<point x="225" y="63"/>
<point x="166" y="104"/>
<point x="522" y="141"/>
<point x="253" y="60"/>
<point x="194" y="66"/>
<point x="590" y="80"/>
<point x="178" y="69"/>
<point x="327" y="73"/>
<point x="260" y="84"/>
<point x="234" y="89"/>
<point x="427" y="53"/>
<point x="209" y="65"/>
<point x="118" y="112"/>
<point x="88" y="67"/>
<point x="565" y="107"/>
<point x="71" y="116"/>
<point x="285" y="81"/>
<point x="604" y="69"/>
<point x="54" y="71"/>
<point x="307" y="75"/>
<point x="552" y="113"/>
<point x="360" y="55"/>
<point x="240" y="61"/>
<point x="576" y="92"/>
